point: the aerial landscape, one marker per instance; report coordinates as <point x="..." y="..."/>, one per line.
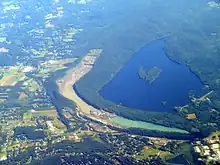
<point x="109" y="82"/>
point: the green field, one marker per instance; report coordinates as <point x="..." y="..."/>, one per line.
<point x="151" y="153"/>
<point x="31" y="85"/>
<point x="145" y="125"/>
<point x="27" y="115"/>
<point x="51" y="113"/>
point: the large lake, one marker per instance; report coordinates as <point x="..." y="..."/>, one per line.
<point x="170" y="89"/>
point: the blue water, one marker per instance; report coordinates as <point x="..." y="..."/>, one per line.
<point x="173" y="85"/>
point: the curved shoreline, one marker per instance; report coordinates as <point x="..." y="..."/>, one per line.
<point x="66" y="89"/>
<point x="125" y="123"/>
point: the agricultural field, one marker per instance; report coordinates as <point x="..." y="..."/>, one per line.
<point x="11" y="76"/>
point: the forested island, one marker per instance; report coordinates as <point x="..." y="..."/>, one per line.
<point x="149" y="76"/>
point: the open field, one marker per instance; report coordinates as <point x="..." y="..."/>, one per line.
<point x="51" y="113"/>
<point x="150" y="152"/>
<point x="51" y="66"/>
<point x="34" y="113"/>
<point x="11" y="76"/>
<point x="31" y="85"/>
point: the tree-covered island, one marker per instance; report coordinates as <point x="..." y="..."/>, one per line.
<point x="151" y="75"/>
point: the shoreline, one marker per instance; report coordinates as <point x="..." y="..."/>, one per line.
<point x="66" y="89"/>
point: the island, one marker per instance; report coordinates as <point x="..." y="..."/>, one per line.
<point x="149" y="76"/>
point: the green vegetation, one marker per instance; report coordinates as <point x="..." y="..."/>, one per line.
<point x="95" y="52"/>
<point x="45" y="72"/>
<point x="13" y="146"/>
<point x="52" y="66"/>
<point x="58" y="124"/>
<point x="217" y="103"/>
<point x="27" y="115"/>
<point x="3" y="39"/>
<point x="153" y="74"/>
<point x="55" y="127"/>
<point x="150" y="153"/>
<point x="203" y="98"/>
<point x="147" y="154"/>
<point x="145" y="125"/>
<point x="2" y="100"/>
<point x="214" y="4"/>
<point x="91" y="134"/>
<point x="11" y="7"/>
<point x="31" y="85"/>
<point x="3" y="153"/>
<point x="142" y="73"/>
<point x="70" y="33"/>
<point x="165" y="155"/>
<point x="11" y="76"/>
<point x="215" y="134"/>
<point x="38" y="53"/>
<point x="183" y="109"/>
<point x="149" y="76"/>
<point x="185" y="149"/>
<point x="50" y="113"/>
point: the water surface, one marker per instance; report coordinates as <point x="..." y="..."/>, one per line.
<point x="145" y="125"/>
<point x="170" y="89"/>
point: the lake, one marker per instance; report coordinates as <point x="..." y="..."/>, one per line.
<point x="169" y="88"/>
